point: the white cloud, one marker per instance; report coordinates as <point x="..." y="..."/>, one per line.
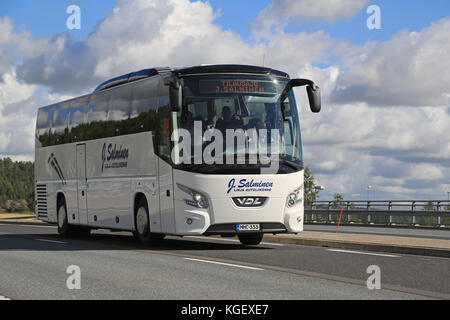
<point x="12" y="91"/>
<point x="15" y="136"/>
<point x="6" y="29"/>
<point x="174" y="33"/>
<point x="281" y="12"/>
<point x="391" y="148"/>
<point x="5" y="39"/>
<point x="18" y="105"/>
<point x="407" y="70"/>
<point x="424" y="171"/>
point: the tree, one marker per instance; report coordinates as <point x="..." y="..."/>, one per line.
<point x="311" y="194"/>
<point x="429" y="206"/>
<point x="16" y="183"/>
<point x="338" y="201"/>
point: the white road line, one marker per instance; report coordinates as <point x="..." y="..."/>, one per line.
<point x="273" y="244"/>
<point x="367" y="253"/>
<point x="4" y="298"/>
<point x="233" y="240"/>
<point x="53" y="241"/>
<point x="26" y="225"/>
<point x="225" y="264"/>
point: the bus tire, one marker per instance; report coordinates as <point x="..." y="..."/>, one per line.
<point x="250" y="239"/>
<point x="142" y="224"/>
<point x="64" y="228"/>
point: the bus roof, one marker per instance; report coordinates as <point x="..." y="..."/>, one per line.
<point x="202" y="69"/>
<point x="231" y="68"/>
<point x="130" y="77"/>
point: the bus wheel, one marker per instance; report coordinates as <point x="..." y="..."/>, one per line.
<point x="64" y="228"/>
<point x="142" y="225"/>
<point x="250" y="239"/>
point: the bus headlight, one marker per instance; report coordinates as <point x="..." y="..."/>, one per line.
<point x="294" y="197"/>
<point x="197" y="199"/>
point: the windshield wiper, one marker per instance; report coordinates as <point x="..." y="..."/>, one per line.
<point x="291" y="164"/>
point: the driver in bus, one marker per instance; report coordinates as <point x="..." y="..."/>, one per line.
<point x="228" y="121"/>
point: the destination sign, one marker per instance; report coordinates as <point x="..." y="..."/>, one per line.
<point x="237" y="86"/>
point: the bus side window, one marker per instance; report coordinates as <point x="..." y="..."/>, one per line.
<point x="77" y="122"/>
<point x="292" y="144"/>
<point x="43" y="126"/>
<point x="162" y="136"/>
<point x="60" y="123"/>
<point x="97" y="116"/>
<point x="144" y="104"/>
<point x="119" y="111"/>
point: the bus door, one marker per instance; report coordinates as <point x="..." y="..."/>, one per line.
<point x="165" y="170"/>
<point x="165" y="175"/>
<point x="166" y="201"/>
<point x="82" y="184"/>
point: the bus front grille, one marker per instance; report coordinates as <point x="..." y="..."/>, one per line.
<point x="41" y="200"/>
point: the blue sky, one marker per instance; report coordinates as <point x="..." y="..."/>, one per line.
<point x="44" y="18"/>
<point x="396" y="15"/>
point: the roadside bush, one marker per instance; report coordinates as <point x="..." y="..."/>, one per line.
<point x="427" y="221"/>
<point x="18" y="206"/>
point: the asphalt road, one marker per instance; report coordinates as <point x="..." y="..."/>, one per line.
<point x="34" y="262"/>
<point x="391" y="231"/>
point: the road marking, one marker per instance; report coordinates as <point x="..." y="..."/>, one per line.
<point x="4" y="298"/>
<point x="273" y="244"/>
<point x="26" y="225"/>
<point x="233" y="240"/>
<point x="53" y="241"/>
<point x="367" y="253"/>
<point x="225" y="264"/>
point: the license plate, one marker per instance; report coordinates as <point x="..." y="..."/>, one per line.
<point x="247" y="227"/>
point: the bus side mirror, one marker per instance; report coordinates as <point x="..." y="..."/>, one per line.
<point x="312" y="89"/>
<point x="175" y="93"/>
<point x="314" y="98"/>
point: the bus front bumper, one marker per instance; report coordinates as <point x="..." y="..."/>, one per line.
<point x="231" y="229"/>
<point x="195" y="221"/>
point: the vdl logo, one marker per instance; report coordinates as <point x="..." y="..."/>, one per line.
<point x="249" y="201"/>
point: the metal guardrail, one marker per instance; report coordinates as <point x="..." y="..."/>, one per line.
<point x="434" y="213"/>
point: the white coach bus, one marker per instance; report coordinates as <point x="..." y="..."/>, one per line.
<point x="106" y="159"/>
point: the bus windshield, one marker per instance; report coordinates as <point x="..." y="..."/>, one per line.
<point x="249" y="103"/>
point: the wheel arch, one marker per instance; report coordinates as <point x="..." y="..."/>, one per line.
<point x="137" y="198"/>
<point x="60" y="195"/>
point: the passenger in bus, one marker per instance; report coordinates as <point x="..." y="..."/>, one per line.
<point x="210" y="123"/>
